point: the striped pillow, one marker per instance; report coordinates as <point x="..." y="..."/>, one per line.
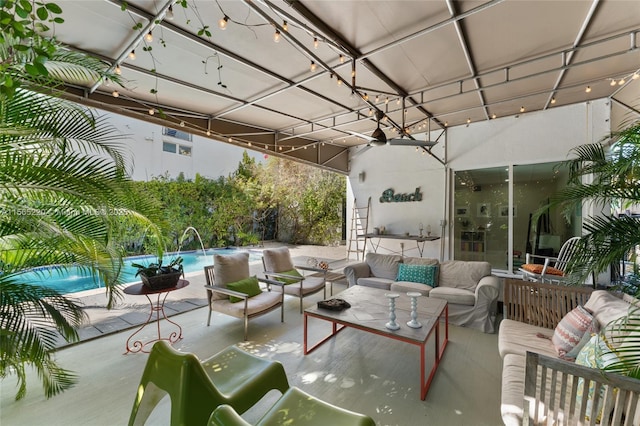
<point x="570" y="330"/>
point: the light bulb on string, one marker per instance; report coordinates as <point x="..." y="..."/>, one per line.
<point x="222" y="23"/>
<point x="169" y="14"/>
<point x="148" y="37"/>
<point x="117" y="70"/>
<point x="285" y="26"/>
<point x="276" y="36"/>
<point x="315" y="42"/>
<point x="151" y="111"/>
<point x="132" y="55"/>
<point x="588" y="89"/>
<point x="313" y="66"/>
<point x="341" y="58"/>
<point x="115" y="94"/>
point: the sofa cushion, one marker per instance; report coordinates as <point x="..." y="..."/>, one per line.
<point x="383" y="283"/>
<point x="423" y="274"/>
<point x="517" y="338"/>
<point x="606" y="307"/>
<point x="407" y="286"/>
<point x="249" y="286"/>
<point x="383" y="265"/>
<point x="535" y="268"/>
<point x="228" y="268"/>
<point x="570" y="330"/>
<point x="277" y="259"/>
<point x="420" y="261"/>
<point x="462" y="274"/>
<point x="512" y="394"/>
<point x="458" y="296"/>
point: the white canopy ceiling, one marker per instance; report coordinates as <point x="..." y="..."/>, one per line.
<point x="425" y="64"/>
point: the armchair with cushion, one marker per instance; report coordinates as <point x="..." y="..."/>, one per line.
<point x="278" y="265"/>
<point x="232" y="291"/>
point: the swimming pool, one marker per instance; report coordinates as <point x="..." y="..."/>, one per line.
<point x="73" y="280"/>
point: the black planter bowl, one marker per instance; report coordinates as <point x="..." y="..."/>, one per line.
<point x="158" y="282"/>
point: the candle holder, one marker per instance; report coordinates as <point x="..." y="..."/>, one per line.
<point x="392" y="324"/>
<point x="414" y="310"/>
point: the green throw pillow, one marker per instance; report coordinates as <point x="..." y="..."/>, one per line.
<point x="293" y="273"/>
<point x="248" y="286"/>
<point x="423" y="274"/>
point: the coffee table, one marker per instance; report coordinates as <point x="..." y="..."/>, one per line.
<point x="369" y="311"/>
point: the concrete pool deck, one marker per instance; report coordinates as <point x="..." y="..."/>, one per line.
<point x="132" y="311"/>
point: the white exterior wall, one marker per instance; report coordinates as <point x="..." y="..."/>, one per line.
<point x="536" y="137"/>
<point x="144" y="140"/>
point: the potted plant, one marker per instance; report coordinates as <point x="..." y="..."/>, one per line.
<point x="157" y="276"/>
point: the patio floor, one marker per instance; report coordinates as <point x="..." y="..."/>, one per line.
<point x="355" y="370"/>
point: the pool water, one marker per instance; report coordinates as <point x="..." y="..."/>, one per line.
<point x="73" y="280"/>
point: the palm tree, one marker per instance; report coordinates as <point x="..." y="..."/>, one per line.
<point x="64" y="183"/>
<point x="606" y="175"/>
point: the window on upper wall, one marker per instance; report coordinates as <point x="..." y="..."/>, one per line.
<point x="169" y="147"/>
<point x="185" y="150"/>
<point x="167" y="131"/>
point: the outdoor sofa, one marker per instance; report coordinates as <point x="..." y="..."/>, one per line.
<point x="468" y="287"/>
<point x="540" y="319"/>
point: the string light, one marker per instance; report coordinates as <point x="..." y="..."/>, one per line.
<point x="115" y="94"/>
<point x="132" y="55"/>
<point x="313" y="66"/>
<point x="276" y="36"/>
<point x="285" y="26"/>
<point x="386" y="100"/>
<point x="117" y="70"/>
<point x="208" y="133"/>
<point x="398" y="101"/>
<point x="553" y="100"/>
<point x="493" y="116"/>
<point x="222" y="23"/>
<point x="341" y="58"/>
<point x="339" y="82"/>
<point x="522" y="109"/>
<point x="588" y="89"/>
<point x="182" y="124"/>
<point x="315" y="42"/>
<point x="151" y="111"/>
<point x="621" y="82"/>
<point x="613" y="82"/>
<point x="370" y="112"/>
<point x="365" y="97"/>
<point x="148" y="37"/>
<point x="169" y="15"/>
<point x="377" y="98"/>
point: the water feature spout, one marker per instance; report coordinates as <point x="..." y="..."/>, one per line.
<point x="191" y="228"/>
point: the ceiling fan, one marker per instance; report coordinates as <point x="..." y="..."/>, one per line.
<point x="378" y="138"/>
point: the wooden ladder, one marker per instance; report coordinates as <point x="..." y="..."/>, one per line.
<point x="358" y="230"/>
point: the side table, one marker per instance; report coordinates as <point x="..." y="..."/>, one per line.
<point x="136" y="344"/>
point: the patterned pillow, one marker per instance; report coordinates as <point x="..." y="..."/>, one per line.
<point x="423" y="274"/>
<point x="570" y="330"/>
<point x="248" y="286"/>
<point x="595" y="354"/>
<point x="537" y="269"/>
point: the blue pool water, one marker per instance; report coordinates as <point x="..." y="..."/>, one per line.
<point x="72" y="280"/>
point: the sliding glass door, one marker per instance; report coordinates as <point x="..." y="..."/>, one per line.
<point x="494" y="214"/>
